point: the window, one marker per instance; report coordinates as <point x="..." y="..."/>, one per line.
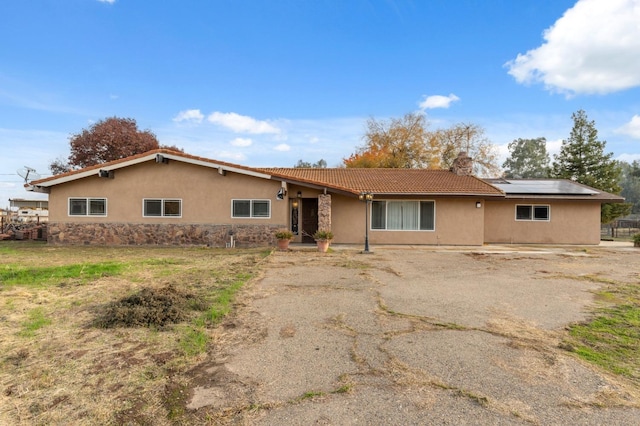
<point x="87" y="206"/>
<point x="251" y="208"/>
<point x="161" y="207"/>
<point x="532" y="212"/>
<point x="403" y="215"/>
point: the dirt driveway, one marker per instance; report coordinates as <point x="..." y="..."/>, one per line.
<point x="415" y="336"/>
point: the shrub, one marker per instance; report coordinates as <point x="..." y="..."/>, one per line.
<point x="636" y="240"/>
<point x="323" y="235"/>
<point x="284" y="234"/>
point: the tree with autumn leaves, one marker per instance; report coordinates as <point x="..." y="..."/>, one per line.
<point x="397" y="143"/>
<point x="407" y="143"/>
<point x="106" y="140"/>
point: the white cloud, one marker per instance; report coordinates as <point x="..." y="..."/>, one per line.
<point x="241" y="142"/>
<point x="241" y="123"/>
<point x="438" y="101"/>
<point x="632" y="128"/>
<point x="192" y="115"/>
<point x="283" y="147"/>
<point x="553" y="147"/>
<point x="628" y="158"/>
<point x="231" y="155"/>
<point x="107" y="1"/>
<point x="113" y="97"/>
<point x="593" y="48"/>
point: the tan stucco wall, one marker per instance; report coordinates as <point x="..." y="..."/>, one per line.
<point x="206" y="195"/>
<point x="572" y="222"/>
<point x="457" y="222"/>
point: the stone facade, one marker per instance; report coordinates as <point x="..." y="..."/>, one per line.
<point x="127" y="234"/>
<point x="324" y="212"/>
<point x="462" y="165"/>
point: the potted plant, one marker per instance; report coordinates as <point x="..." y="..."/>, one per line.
<point x="636" y="240"/>
<point x="323" y="238"/>
<point x="284" y="237"/>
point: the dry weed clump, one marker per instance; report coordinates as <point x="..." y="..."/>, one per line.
<point x="150" y="307"/>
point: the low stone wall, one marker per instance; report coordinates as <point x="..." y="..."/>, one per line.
<point x="123" y="234"/>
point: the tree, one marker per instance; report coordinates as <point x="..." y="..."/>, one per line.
<point x="107" y="140"/>
<point x="528" y="159"/>
<point x="396" y="143"/>
<point x="321" y="164"/>
<point x="469" y="138"/>
<point x="406" y="143"/>
<point x="630" y="184"/>
<point x="582" y="157"/>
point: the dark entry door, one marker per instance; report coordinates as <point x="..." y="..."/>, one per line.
<point x="309" y="219"/>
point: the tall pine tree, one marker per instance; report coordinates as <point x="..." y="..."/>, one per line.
<point x="582" y="159"/>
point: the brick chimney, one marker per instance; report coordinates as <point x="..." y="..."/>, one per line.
<point x="462" y="165"/>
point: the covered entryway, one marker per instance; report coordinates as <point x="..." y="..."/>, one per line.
<point x="309" y="219"/>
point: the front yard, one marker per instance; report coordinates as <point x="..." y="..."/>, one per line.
<point x="87" y="334"/>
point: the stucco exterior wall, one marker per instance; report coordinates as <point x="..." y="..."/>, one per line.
<point x="571" y="222"/>
<point x="206" y="207"/>
<point x="457" y="222"/>
<point x="206" y="195"/>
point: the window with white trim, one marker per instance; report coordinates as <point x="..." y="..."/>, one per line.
<point x="533" y="212"/>
<point x="403" y="215"/>
<point x="87" y="206"/>
<point x="251" y="209"/>
<point x="161" y="207"/>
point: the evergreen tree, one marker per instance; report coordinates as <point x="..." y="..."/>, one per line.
<point x="528" y="159"/>
<point x="631" y="184"/>
<point x="582" y="157"/>
<point x="321" y="164"/>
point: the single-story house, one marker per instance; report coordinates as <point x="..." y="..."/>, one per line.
<point x="165" y="197"/>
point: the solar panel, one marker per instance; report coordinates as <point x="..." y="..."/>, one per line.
<point x="546" y="187"/>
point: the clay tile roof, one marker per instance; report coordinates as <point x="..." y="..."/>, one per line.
<point x="388" y="181"/>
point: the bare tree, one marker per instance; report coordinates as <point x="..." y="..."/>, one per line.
<point x="469" y="138"/>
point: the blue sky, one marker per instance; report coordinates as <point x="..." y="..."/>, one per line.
<point x="267" y="83"/>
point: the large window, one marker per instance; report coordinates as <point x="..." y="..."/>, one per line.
<point x="161" y="207"/>
<point x="87" y="206"/>
<point x="403" y="215"/>
<point x="251" y="208"/>
<point x="532" y="212"/>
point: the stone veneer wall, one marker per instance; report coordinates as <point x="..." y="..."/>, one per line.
<point x="324" y="212"/>
<point x="122" y="234"/>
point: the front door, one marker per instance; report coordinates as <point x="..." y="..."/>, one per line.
<point x="309" y="219"/>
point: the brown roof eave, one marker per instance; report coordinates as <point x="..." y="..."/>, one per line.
<point x="307" y="184"/>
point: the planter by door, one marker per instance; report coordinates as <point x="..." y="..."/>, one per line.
<point x="323" y="245"/>
<point x="283" y="244"/>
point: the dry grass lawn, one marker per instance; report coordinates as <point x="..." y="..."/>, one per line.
<point x="60" y="365"/>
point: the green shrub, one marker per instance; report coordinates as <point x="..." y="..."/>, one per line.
<point x="284" y="234"/>
<point x="323" y="235"/>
